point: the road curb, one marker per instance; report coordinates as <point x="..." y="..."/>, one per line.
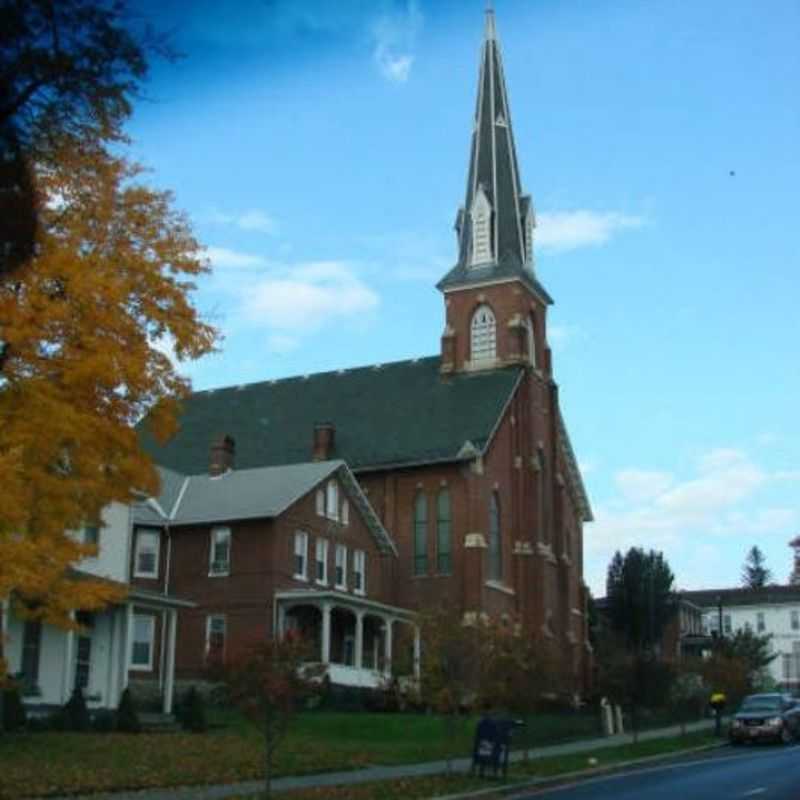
<point x="508" y="790"/>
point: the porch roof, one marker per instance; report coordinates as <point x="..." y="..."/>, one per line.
<point x="346" y="600"/>
<point x="134" y="594"/>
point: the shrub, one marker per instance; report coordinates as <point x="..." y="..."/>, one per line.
<point x="104" y="722"/>
<point x="192" y="714"/>
<point x="127" y="716"/>
<point x="14" y="715"/>
<point x="76" y="715"/>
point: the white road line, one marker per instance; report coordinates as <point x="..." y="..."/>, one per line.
<point x="752" y="792"/>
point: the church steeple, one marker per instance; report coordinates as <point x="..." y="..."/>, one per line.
<point x="495" y="225"/>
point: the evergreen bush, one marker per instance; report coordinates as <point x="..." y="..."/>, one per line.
<point x="127" y="716"/>
<point x="14" y="715"/>
<point x="193" y="712"/>
<point x="76" y="713"/>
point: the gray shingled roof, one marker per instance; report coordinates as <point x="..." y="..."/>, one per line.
<point x="769" y="595"/>
<point x="390" y="415"/>
<point x="260" y="493"/>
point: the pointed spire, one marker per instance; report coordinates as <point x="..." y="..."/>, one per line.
<point x="495" y="225"/>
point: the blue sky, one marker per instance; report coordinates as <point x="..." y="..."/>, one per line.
<point x="320" y="150"/>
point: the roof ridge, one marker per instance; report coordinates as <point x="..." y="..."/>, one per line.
<point x="309" y="375"/>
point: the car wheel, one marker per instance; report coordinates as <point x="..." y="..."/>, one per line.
<point x="786" y="735"/>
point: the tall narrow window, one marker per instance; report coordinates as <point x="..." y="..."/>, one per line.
<point x="91" y="535"/>
<point x="146" y="559"/>
<point x="495" y="546"/>
<point x="220" y="557"/>
<point x="359" y="571"/>
<point x="795" y="617"/>
<point x="760" y="622"/>
<point x="320" y="502"/>
<point x="483" y="335"/>
<point x="420" y="534"/>
<point x="727" y="625"/>
<point x="341" y="566"/>
<point x="345" y="512"/>
<point x="216" y="629"/>
<point x="83" y="650"/>
<point x="481" y="215"/>
<point x="531" y="342"/>
<point x="332" y="504"/>
<point x="301" y="555"/>
<point x="31" y="650"/>
<point x="322" y="561"/>
<point x="444" y="563"/>
<point x="143" y="634"/>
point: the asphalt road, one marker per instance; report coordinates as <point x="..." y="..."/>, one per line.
<point x="732" y="773"/>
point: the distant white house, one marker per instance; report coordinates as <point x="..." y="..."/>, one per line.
<point x="774" y="610"/>
<point x="135" y="638"/>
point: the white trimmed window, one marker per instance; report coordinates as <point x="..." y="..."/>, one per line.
<point x="483" y="335"/>
<point x="146" y="557"/>
<point x="341" y="566"/>
<point x="321" y="502"/>
<point x="216" y="628"/>
<point x="301" y="555"/>
<point x="760" y="626"/>
<point x="91" y="535"/>
<point x="345" y="512"/>
<point x="795" y="620"/>
<point x="531" y="342"/>
<point x="322" y="562"/>
<point x="332" y="500"/>
<point x="144" y="628"/>
<point x="220" y="552"/>
<point x="359" y="572"/>
<point x="481" y="228"/>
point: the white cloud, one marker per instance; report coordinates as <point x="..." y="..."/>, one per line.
<point x="558" y="336"/>
<point x="252" y="220"/>
<point x="306" y="297"/>
<point x="224" y="258"/>
<point x="569" y="230"/>
<point x="394" y="36"/>
<point x="639" y="485"/>
<point x="787" y="475"/>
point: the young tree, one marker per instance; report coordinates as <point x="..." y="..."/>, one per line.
<point x="640" y="598"/>
<point x="754" y="574"/>
<point x="751" y="649"/>
<point x="268" y="682"/>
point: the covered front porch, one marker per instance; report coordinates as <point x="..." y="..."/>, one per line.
<point x="356" y="638"/>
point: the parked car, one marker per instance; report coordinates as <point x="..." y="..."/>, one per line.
<point x="766" y="716"/>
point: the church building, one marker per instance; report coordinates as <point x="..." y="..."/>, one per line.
<point x="342" y="502"/>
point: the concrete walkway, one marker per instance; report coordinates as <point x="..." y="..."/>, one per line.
<point x="381" y="773"/>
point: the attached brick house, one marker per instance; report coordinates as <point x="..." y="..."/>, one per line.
<point x="464" y="457"/>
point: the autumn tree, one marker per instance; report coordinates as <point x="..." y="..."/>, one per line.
<point x="755" y="574"/>
<point x="88" y="310"/>
<point x="269" y="681"/>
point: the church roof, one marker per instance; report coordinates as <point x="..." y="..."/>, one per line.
<point x="494" y="174"/>
<point x="389" y="415"/>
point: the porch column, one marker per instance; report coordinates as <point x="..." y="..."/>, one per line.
<point x="417" y="651"/>
<point x="169" y="677"/>
<point x="113" y="666"/>
<point x="326" y="633"/>
<point x="69" y="648"/>
<point x="281" y="621"/>
<point x="359" y="660"/>
<point x="127" y="653"/>
<point x="387" y="645"/>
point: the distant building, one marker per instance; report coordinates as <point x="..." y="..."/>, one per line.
<point x="774" y="610"/>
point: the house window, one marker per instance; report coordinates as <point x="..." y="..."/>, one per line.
<point x="345" y="512"/>
<point x="341" y="566"/>
<point x="91" y="535"/>
<point x="31" y="650"/>
<point x="220" y="555"/>
<point x="332" y="500"/>
<point x="143" y="633"/>
<point x="795" y="617"/>
<point x="301" y="556"/>
<point x="83" y="650"/>
<point x="146" y="561"/>
<point x="322" y="561"/>
<point x="215" y="637"/>
<point x="444" y="564"/>
<point x="321" y="502"/>
<point x="727" y="625"/>
<point x="531" y="342"/>
<point x="483" y="335"/>
<point x="420" y="534"/>
<point x="760" y="626"/>
<point x="495" y="548"/>
<point x="359" y="571"/>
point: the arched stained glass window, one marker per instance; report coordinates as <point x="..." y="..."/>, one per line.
<point x="420" y="534"/>
<point x="483" y="338"/>
<point x="444" y="560"/>
<point x="495" y="545"/>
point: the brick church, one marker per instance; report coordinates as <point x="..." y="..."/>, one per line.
<point x="340" y="503"/>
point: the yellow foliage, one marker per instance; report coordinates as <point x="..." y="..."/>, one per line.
<point x="80" y="326"/>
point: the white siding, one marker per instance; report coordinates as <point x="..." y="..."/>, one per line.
<point x="113" y="558"/>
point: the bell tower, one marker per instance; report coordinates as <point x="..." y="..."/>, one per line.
<point x="495" y="306"/>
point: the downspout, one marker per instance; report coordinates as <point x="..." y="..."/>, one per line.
<point x="163" y="652"/>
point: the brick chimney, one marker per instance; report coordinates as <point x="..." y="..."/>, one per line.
<point x="223" y="450"/>
<point x="324" y="437"/>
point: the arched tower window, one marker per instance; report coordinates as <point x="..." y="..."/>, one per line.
<point x="444" y="560"/>
<point x="495" y="545"/>
<point x="481" y="214"/>
<point x="483" y="335"/>
<point x="530" y="330"/>
<point x="420" y="534"/>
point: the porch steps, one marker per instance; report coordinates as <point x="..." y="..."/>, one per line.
<point x="153" y="722"/>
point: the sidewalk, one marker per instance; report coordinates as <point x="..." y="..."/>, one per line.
<point x="380" y="773"/>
